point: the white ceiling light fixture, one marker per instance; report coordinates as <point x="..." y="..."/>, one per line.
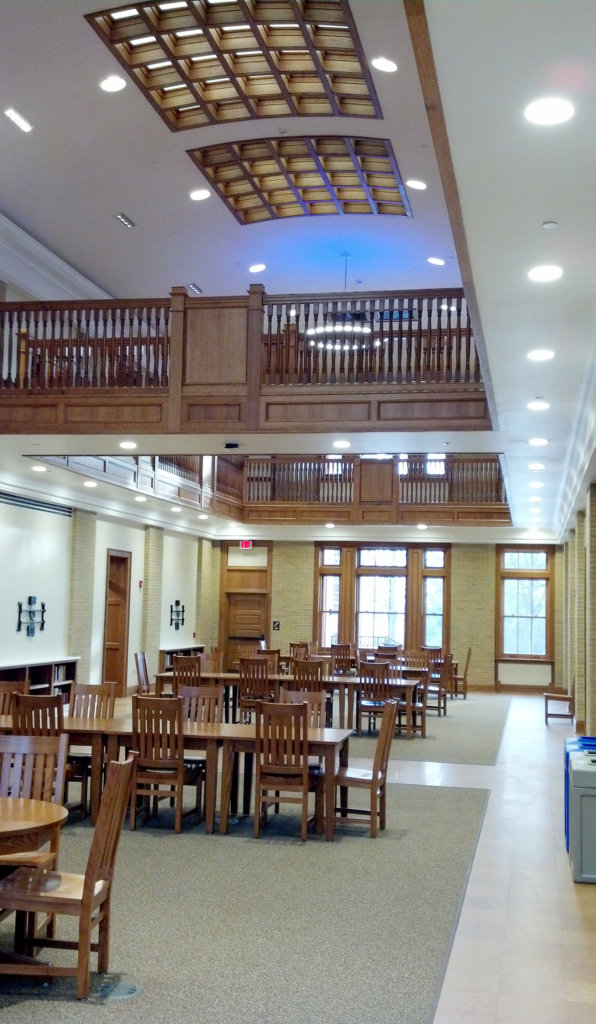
<point x="536" y="484"/>
<point x="549" y="110"/>
<point x="535" y="498"/>
<point x="416" y="184"/>
<point x="175" y="508"/>
<point x="39" y="469"/>
<point x="342" y="444"/>
<point x="140" y="498"/>
<point x="124" y="220"/>
<point x="535" y="466"/>
<point x="128" y="446"/>
<point x="256" y="268"/>
<point x="422" y="526"/>
<point x="90" y="483"/>
<point x="198" y="194"/>
<point x="330" y="526"/>
<point x="545" y="273"/>
<point x="436" y="261"/>
<point x="538" y="442"/>
<point x="538" y="405"/>
<point x="384" y="64"/>
<point x="113" y="83"/>
<point x="18" y="119"/>
<point x="541" y="355"/>
<point x="203" y="515"/>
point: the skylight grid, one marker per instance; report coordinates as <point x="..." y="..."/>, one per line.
<point x="267" y="179"/>
<point x="256" y="66"/>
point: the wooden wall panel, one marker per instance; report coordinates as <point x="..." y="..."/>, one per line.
<point x="215" y="345"/>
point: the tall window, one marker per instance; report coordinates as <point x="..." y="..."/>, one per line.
<point x="371" y="596"/>
<point x="525" y="580"/>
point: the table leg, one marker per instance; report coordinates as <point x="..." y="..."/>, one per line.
<point x="97" y="758"/>
<point x="227" y="771"/>
<point x="341" y="689"/>
<point x="210" y="784"/>
<point x="409" y="692"/>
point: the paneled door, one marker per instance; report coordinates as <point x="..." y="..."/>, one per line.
<point x="115" y="642"/>
<point x="246" y="619"/>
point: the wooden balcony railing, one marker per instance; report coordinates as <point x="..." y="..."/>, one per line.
<point x="82" y="345"/>
<point x="405" y="338"/>
<point x="311" y="481"/>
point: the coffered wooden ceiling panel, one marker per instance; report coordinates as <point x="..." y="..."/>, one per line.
<point x="202" y="62"/>
<point x="265" y="179"/>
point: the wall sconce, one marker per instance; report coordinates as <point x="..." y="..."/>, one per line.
<point x="30" y="617"/>
<point x="176" y="615"/>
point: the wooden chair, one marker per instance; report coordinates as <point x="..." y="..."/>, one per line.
<point x="419" y="708"/>
<point x="460" y="682"/>
<point x="439" y="684"/>
<point x="30" y="891"/>
<point x="341" y="659"/>
<point x="560" y="700"/>
<point x="373" y="692"/>
<point x="36" y="714"/>
<point x="145" y="687"/>
<point x="299" y="650"/>
<point x="315" y="701"/>
<point x="87" y="701"/>
<point x="201" y="704"/>
<point x="273" y="656"/>
<point x="159" y="770"/>
<point x="212" y="662"/>
<point x="254" y="685"/>
<point x="33" y="768"/>
<point x="7" y="688"/>
<point x="309" y="675"/>
<point x="392" y="649"/>
<point x="186" y="671"/>
<point x="373" y="780"/>
<point x="283" y="772"/>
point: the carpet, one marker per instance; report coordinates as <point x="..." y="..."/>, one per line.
<point x="470" y="733"/>
<point x="233" y="930"/>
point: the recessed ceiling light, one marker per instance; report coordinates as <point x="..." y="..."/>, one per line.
<point x="39" y="469"/>
<point x="124" y="220"/>
<point x="541" y="355"/>
<point x="538" y="442"/>
<point x="436" y="261"/>
<point x="422" y="526"/>
<point x="416" y="184"/>
<point x="384" y="64"/>
<point x="342" y="444"/>
<point x="538" y="405"/>
<point x="535" y="466"/>
<point x="330" y="526"/>
<point x="256" y="268"/>
<point x="535" y="498"/>
<point x="175" y="508"/>
<point x="549" y="225"/>
<point x="18" y="119"/>
<point x="544" y="274"/>
<point x="128" y="446"/>
<point x="90" y="483"/>
<point x="536" y="484"/>
<point x="203" y="515"/>
<point x="113" y="83"/>
<point x="140" y="497"/>
<point x="200" y="193"/>
<point x="549" y="110"/>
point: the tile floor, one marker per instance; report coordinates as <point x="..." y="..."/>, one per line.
<point x="525" y="947"/>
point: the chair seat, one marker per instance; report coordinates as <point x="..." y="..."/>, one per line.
<point x="40" y="888"/>
<point x="355" y="776"/>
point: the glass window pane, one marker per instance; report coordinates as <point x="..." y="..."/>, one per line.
<point x="381" y="610"/>
<point x="331" y="556"/>
<point x="433" y="611"/>
<point x="434" y="559"/>
<point x="383" y="557"/>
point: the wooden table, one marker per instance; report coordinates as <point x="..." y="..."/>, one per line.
<point x="28" y="824"/>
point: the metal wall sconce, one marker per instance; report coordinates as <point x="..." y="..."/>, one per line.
<point x="30" y="617"/>
<point x="176" y="615"/>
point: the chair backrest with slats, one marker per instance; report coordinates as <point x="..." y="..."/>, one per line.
<point x="186" y="671"/>
<point x="7" y="688"/>
<point x="383" y="747"/>
<point x="108" y="828"/>
<point x="157" y="731"/>
<point x="212" y="662"/>
<point x="88" y="701"/>
<point x="314" y="700"/>
<point x="374" y="680"/>
<point x="36" y="714"/>
<point x="33" y="767"/>
<point x="272" y="656"/>
<point x="282" y="739"/>
<point x="308" y="674"/>
<point x="142" y="672"/>
<point x="202" y="703"/>
<point x="253" y="679"/>
<point x="299" y="650"/>
<point x="393" y="649"/>
<point x="341" y="659"/>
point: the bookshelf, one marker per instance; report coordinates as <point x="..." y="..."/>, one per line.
<point x="44" y="676"/>
<point x="165" y="655"/>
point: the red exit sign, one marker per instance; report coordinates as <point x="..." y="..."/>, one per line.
<point x="246" y="544"/>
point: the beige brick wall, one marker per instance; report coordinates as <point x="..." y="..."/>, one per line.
<point x="82" y="577"/>
<point x="473" y="610"/>
<point x="208" y="578"/>
<point x="292" y="593"/>
<point x="152" y="591"/>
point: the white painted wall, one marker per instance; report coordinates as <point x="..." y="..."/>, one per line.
<point x="180" y="557"/>
<point x="34" y="560"/>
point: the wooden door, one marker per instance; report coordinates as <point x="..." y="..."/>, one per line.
<point x="246" y="621"/>
<point x="115" y="637"/>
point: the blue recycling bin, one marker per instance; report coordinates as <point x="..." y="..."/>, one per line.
<point x="582" y="815"/>
<point x="571" y="744"/>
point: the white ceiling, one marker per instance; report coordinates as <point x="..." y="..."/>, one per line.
<point x="91" y="155"/>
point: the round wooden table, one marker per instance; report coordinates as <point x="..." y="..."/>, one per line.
<point x="27" y="824"/>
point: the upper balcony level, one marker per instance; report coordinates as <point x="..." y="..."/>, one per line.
<point x="255" y="363"/>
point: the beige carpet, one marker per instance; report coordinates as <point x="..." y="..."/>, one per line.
<point x="470" y="733"/>
<point x="232" y="930"/>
